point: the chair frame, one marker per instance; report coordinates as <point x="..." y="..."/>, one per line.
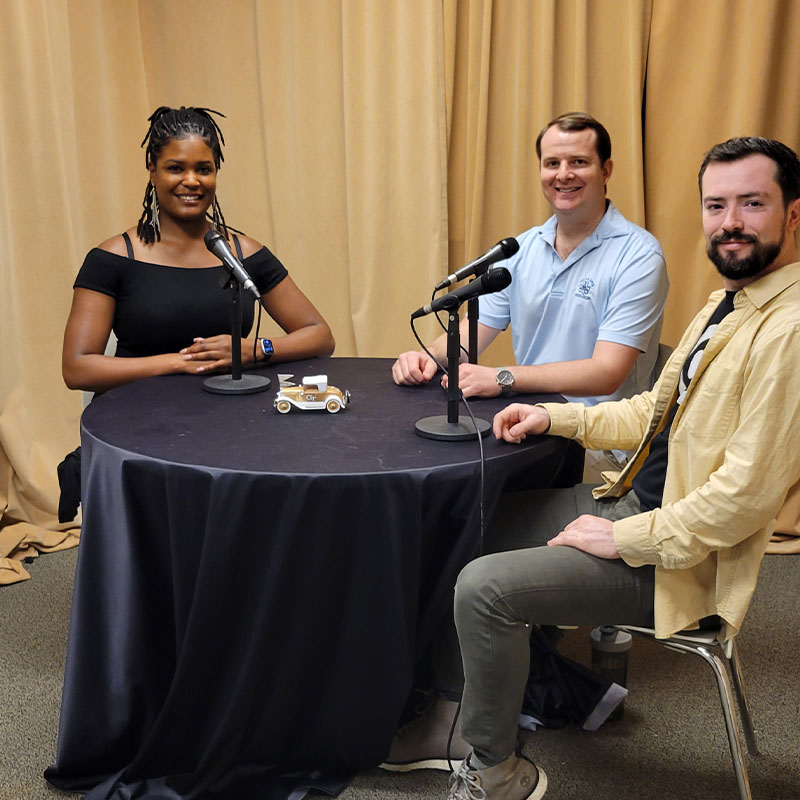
<point x="723" y="659"/>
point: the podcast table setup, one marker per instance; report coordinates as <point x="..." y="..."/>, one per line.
<point x="256" y="583"/>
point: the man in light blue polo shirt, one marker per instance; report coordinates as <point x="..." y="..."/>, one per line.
<point x="585" y="305"/>
<point x="610" y="289"/>
<point x="588" y="288"/>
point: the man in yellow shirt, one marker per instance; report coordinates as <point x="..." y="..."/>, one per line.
<point x="678" y="535"/>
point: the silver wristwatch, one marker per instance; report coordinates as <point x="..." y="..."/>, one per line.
<point x="505" y="380"/>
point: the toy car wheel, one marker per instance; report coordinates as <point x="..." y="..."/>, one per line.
<point x="333" y="405"/>
<point x="284" y="406"/>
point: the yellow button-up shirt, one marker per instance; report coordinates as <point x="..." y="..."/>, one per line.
<point x="734" y="452"/>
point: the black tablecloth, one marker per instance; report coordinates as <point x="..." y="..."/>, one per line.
<point x="253" y="589"/>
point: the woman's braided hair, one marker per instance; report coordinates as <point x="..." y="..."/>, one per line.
<point x="167" y="124"/>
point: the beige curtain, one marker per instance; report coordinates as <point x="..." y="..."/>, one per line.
<point x="335" y="142"/>
<point x="372" y="144"/>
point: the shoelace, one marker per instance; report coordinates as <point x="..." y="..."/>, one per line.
<point x="472" y="786"/>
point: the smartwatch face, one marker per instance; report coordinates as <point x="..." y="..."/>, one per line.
<point x="266" y="347"/>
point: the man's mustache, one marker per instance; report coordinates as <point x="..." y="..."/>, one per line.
<point x="730" y="236"/>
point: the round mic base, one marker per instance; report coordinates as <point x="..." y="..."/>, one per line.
<point x="439" y="428"/>
<point x="247" y="384"/>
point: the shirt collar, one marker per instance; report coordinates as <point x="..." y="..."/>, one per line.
<point x="611" y="224"/>
<point x="763" y="290"/>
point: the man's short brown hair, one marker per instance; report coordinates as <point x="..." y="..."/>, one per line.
<point x="579" y="121"/>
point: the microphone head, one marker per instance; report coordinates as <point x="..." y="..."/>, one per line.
<point x="509" y="246"/>
<point x="495" y="279"/>
<point x="211" y="238"/>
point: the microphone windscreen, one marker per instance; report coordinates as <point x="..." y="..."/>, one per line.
<point x="495" y="279"/>
<point x="211" y="238"/>
<point x="509" y="246"/>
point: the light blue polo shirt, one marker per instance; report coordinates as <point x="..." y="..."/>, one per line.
<point x="612" y="287"/>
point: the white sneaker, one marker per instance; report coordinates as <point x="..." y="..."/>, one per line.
<point x="516" y="778"/>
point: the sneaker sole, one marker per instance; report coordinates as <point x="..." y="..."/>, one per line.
<point x="428" y="763"/>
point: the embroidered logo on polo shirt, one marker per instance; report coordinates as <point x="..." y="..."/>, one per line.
<point x="585" y="288"/>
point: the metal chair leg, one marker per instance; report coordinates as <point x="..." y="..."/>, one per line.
<point x="727" y="683"/>
<point x="734" y="739"/>
<point x="741" y="697"/>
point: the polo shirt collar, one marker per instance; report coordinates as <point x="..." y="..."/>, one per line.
<point x="611" y="224"/>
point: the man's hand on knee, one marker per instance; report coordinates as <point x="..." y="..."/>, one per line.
<point x="593" y="535"/>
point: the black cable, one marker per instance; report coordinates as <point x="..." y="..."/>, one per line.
<point x="443" y="327"/>
<point x="480" y="505"/>
<point x="480" y="553"/>
<point x="482" y="486"/>
<point x="474" y="424"/>
<point x="425" y="349"/>
<point x="450" y="736"/>
<point x="255" y="341"/>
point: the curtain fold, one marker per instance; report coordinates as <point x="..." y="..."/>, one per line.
<point x="36" y="142"/>
<point x="373" y="146"/>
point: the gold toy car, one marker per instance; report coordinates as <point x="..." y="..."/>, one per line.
<point x="313" y="394"/>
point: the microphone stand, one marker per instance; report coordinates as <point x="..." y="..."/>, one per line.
<point x="472" y="322"/>
<point x="235" y="383"/>
<point x="449" y="427"/>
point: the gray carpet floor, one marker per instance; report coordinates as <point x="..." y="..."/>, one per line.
<point x="670" y="744"/>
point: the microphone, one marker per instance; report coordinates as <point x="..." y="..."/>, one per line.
<point x="216" y="243"/>
<point x="492" y="281"/>
<point x="502" y="250"/>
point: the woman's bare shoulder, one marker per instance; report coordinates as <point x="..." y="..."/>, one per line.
<point x="249" y="245"/>
<point x="116" y="244"/>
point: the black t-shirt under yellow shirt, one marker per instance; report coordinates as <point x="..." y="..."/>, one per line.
<point x="162" y="309"/>
<point x="648" y="483"/>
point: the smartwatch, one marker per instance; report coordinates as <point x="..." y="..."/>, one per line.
<point x="267" y="349"/>
<point x="505" y="380"/>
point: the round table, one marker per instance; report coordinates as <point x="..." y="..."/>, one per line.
<point x="254" y="589"/>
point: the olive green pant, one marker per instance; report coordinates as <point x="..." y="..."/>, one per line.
<point x="499" y="596"/>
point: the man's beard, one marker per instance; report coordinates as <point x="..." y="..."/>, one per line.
<point x="728" y="265"/>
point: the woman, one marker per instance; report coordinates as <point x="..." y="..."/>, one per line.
<point x="157" y="285"/>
